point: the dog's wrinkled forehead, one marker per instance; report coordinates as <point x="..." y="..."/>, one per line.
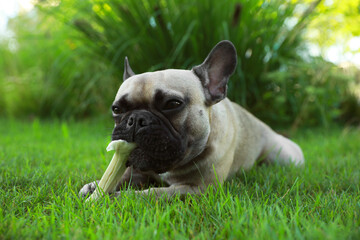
<point x="143" y="87"/>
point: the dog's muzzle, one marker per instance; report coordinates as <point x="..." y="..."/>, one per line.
<point x="158" y="148"/>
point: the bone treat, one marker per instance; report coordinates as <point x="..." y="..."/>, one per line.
<point x="115" y="170"/>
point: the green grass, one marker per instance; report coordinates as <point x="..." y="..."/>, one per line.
<point x="44" y="164"/>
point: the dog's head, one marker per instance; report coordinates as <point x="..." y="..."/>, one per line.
<point x="166" y="113"/>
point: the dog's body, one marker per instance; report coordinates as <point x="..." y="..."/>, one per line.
<point x="189" y="135"/>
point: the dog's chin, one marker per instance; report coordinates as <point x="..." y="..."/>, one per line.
<point x="157" y="150"/>
<point x="143" y="161"/>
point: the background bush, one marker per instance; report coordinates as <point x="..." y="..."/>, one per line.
<point x="46" y="72"/>
<point x="69" y="59"/>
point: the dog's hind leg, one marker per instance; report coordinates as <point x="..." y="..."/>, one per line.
<point x="281" y="150"/>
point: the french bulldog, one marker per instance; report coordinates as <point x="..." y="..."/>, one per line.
<point x="187" y="132"/>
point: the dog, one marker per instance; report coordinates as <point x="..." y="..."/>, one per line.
<point x="187" y="132"/>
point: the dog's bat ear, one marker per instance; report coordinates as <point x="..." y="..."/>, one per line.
<point x="128" y="72"/>
<point x="215" y="71"/>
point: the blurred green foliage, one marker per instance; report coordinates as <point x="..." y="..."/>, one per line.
<point x="306" y="92"/>
<point x="69" y="58"/>
<point x="45" y="71"/>
<point x="336" y="22"/>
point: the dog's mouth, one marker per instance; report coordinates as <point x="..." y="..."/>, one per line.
<point x="157" y="148"/>
<point x="157" y="151"/>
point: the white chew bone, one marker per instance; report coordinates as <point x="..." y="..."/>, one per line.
<point x="115" y="169"/>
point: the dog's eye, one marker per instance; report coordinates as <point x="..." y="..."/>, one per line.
<point x="116" y="110"/>
<point x="172" y="104"/>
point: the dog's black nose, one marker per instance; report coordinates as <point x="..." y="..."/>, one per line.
<point x="131" y="125"/>
<point x="137" y="121"/>
<point x="140" y="119"/>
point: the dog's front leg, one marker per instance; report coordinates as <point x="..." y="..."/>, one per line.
<point x="169" y="192"/>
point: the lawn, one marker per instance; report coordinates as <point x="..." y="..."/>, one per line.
<point x="44" y="164"/>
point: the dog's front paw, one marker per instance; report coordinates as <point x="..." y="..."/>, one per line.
<point x="88" y="189"/>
